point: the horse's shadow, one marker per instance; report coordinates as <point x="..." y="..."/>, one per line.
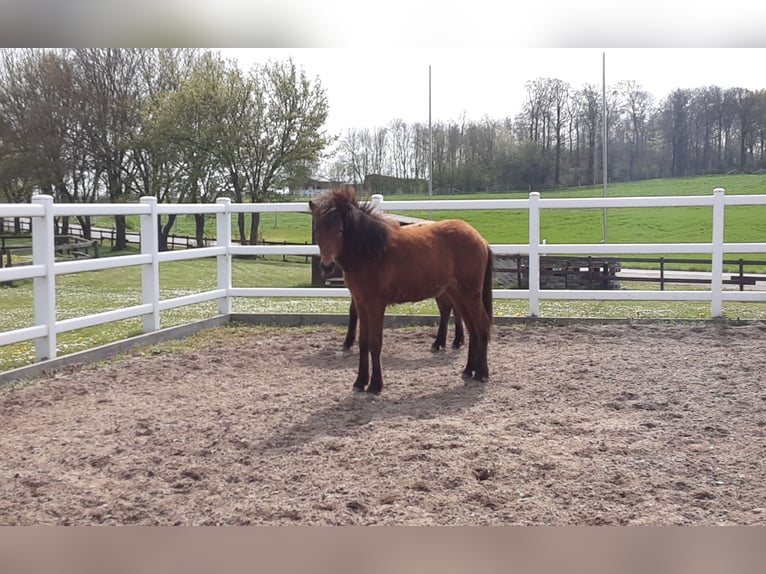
<point x="358" y="409"/>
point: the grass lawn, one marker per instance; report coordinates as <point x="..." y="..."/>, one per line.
<point x="628" y="225"/>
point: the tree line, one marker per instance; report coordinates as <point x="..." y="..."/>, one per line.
<point x="182" y="125"/>
<point x="186" y="125"/>
<point x="556" y="140"/>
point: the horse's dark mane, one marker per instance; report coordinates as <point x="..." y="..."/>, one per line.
<point x="365" y="231"/>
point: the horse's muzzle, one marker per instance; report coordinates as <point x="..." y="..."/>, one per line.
<point x="326" y="269"/>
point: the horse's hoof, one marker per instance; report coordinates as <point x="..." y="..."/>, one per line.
<point x="345" y="349"/>
<point x="481" y="379"/>
<point x="435" y="348"/>
<point x="375" y="386"/>
<point x="358" y="387"/>
<point x="467" y="375"/>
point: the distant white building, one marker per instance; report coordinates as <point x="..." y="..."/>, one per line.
<point x="316" y="186"/>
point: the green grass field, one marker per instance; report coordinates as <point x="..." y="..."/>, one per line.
<point x="85" y="293"/>
<point x="626" y="225"/>
<point x="562" y="226"/>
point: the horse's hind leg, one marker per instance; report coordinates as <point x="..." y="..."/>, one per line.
<point x="481" y="324"/>
<point x="348" y="342"/>
<point x="481" y="365"/>
<point x="445" y="308"/>
<point x="478" y="324"/>
<point x="459" y="335"/>
<point x="460" y="308"/>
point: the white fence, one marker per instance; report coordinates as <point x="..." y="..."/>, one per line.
<point x="44" y="269"/>
<point x="110" y="235"/>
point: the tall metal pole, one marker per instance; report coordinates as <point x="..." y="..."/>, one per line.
<point x="604" y="144"/>
<point x="430" y="143"/>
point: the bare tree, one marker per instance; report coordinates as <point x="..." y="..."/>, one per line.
<point x="745" y="106"/>
<point x="590" y="120"/>
<point x="676" y="123"/>
<point x="282" y="114"/>
<point x="37" y="103"/>
<point x="759" y="133"/>
<point x="16" y="179"/>
<point x="420" y="151"/>
<point x="636" y="104"/>
<point x="354" y="152"/>
<point x="401" y="147"/>
<point x="456" y="148"/>
<point x="558" y="96"/>
<point x="534" y="110"/>
<point x="108" y="90"/>
<point x="379" y="150"/>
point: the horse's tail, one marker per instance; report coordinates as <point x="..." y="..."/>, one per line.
<point x="486" y="295"/>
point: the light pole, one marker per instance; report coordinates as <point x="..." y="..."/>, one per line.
<point x="430" y="143"/>
<point x="603" y="101"/>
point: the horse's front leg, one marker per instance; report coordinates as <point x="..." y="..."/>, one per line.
<point x="375" y="332"/>
<point x="363" y="374"/>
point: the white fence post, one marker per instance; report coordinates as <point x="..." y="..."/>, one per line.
<point x="44" y="253"/>
<point x="534" y="254"/>
<point x="716" y="279"/>
<point x="223" y="239"/>
<point x="150" y="272"/>
<point x="376" y="200"/>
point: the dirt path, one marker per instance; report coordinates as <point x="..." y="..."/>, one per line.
<point x="598" y="424"/>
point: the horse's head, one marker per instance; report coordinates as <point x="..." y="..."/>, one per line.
<point x="329" y="214"/>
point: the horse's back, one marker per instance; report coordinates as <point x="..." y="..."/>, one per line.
<point x="446" y="230"/>
<point x="436" y="255"/>
<point x="448" y="240"/>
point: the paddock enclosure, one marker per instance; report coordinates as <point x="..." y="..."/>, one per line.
<point x="630" y="423"/>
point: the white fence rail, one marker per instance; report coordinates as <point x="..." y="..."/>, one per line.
<point x="110" y="235"/>
<point x="44" y="269"/>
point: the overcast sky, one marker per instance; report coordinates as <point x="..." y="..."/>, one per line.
<point x="369" y="88"/>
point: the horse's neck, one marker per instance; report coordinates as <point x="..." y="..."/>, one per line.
<point x="360" y="251"/>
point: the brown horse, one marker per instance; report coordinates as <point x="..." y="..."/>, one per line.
<point x="384" y="264"/>
<point x="445" y="309"/>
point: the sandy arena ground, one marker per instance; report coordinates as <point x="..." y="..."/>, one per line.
<point x="579" y="424"/>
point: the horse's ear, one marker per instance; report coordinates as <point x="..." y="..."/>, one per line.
<point x="311" y="205"/>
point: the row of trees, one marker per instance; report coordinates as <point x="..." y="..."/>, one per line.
<point x="177" y="124"/>
<point x="186" y="125"/>
<point x="556" y="140"/>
